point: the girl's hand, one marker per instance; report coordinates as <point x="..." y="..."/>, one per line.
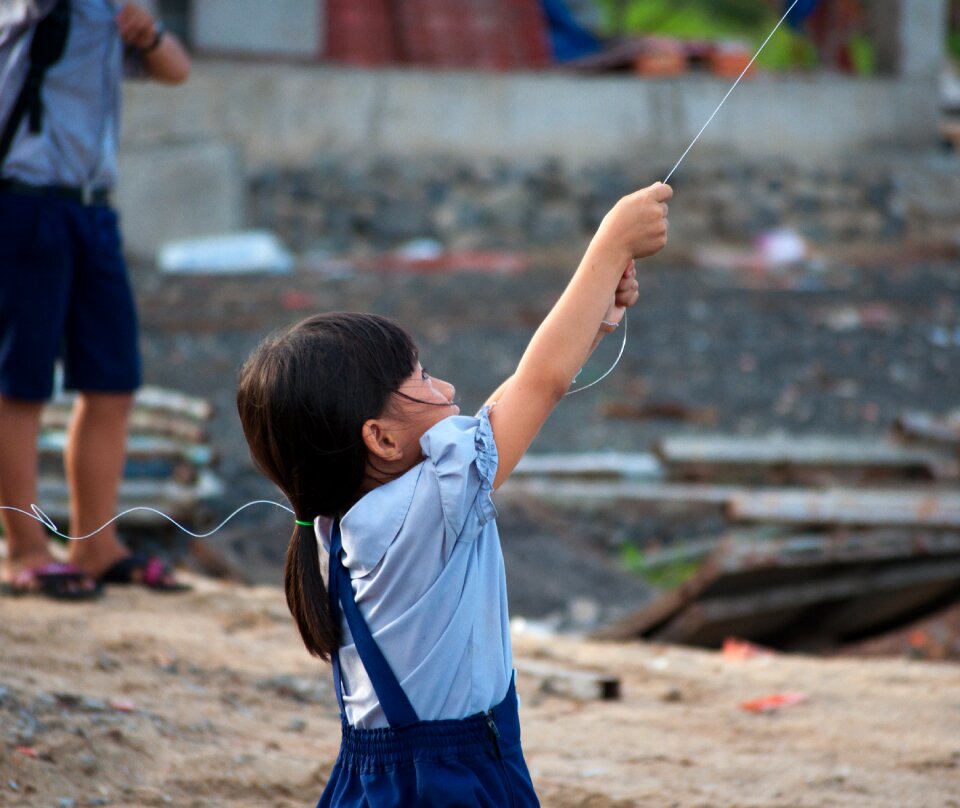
<point x="626" y="296"/>
<point x="637" y="225"/>
<point x="628" y="290"/>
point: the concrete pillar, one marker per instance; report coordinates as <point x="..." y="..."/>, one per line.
<point x="910" y="36"/>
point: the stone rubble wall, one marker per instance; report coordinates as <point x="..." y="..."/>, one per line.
<point x="341" y="206"/>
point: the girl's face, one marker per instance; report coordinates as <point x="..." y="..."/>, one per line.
<point x="422" y="402"/>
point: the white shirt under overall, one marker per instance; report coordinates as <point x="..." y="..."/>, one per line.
<point x="424" y="558"/>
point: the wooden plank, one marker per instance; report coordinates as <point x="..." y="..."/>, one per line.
<point x="877" y="507"/>
<point x="181" y="502"/>
<point x="742" y="561"/>
<point x="649" y="617"/>
<point x="591" y="464"/>
<point x="598" y="492"/>
<point x="708" y="621"/>
<point x="940" y="429"/>
<point x="576" y="684"/>
<point x="844" y="547"/>
<point x="140" y="447"/>
<point x="143" y="422"/>
<point x="721" y="456"/>
<point x="155" y="399"/>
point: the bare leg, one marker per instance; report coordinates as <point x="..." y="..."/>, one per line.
<point x="94" y="460"/>
<point x="26" y="539"/>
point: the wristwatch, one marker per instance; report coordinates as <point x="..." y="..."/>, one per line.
<point x="159" y="31"/>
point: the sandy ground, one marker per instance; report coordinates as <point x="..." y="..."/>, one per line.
<point x="208" y="699"/>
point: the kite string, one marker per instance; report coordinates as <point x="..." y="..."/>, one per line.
<point x="673" y="170"/>
<point x="37" y="513"/>
<point x="730" y="91"/>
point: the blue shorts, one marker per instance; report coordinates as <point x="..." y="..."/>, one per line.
<point x="64" y="293"/>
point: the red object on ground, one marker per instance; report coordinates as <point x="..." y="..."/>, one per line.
<point x="361" y="32"/>
<point x="736" y="649"/>
<point x="474" y="34"/>
<point x="775" y="701"/>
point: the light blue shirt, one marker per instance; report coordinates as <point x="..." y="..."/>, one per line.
<point x="424" y="558"/>
<point x="81" y="95"/>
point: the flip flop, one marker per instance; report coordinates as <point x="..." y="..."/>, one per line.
<point x="53" y="580"/>
<point x="148" y="571"/>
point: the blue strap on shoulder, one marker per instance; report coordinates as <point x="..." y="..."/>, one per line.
<point x="394" y="702"/>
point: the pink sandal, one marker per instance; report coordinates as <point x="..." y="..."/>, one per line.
<point x="54" y="580"/>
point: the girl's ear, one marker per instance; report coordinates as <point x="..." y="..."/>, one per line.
<point x="380" y="441"/>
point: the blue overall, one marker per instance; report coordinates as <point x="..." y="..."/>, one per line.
<point x="470" y="762"/>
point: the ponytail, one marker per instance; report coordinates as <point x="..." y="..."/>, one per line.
<point x="307" y="596"/>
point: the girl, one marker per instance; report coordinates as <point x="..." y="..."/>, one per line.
<point x="394" y="571"/>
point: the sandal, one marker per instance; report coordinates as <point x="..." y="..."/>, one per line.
<point x="149" y="571"/>
<point x="54" y="580"/>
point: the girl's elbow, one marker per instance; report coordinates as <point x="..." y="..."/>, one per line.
<point x="555" y="389"/>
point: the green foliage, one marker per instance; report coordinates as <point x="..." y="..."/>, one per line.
<point x="747" y="20"/>
<point x="661" y="575"/>
<point x="954" y="45"/>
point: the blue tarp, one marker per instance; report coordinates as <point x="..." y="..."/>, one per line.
<point x="568" y="38"/>
<point x="801" y="13"/>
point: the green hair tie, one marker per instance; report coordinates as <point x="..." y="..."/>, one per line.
<point x="305" y="524"/>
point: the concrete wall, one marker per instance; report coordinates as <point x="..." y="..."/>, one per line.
<point x="234" y="118"/>
<point x="284" y="27"/>
<point x="288" y="114"/>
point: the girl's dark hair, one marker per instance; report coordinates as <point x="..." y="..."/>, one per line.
<point x="303" y="397"/>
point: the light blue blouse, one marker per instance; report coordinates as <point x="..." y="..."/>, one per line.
<point x="424" y="557"/>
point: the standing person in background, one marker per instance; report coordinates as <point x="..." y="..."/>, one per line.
<point x="829" y="24"/>
<point x="64" y="290"/>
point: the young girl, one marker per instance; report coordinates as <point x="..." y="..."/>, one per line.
<point x="394" y="572"/>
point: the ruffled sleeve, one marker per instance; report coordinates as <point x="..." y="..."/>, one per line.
<point x="461" y="455"/>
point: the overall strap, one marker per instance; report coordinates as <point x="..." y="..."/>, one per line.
<point x="47" y="46"/>
<point x="396" y="706"/>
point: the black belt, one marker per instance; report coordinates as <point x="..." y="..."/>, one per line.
<point x="85" y="195"/>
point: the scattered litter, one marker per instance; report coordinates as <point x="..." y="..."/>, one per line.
<point x="781" y="247"/>
<point x="325" y="264"/>
<point x="122" y="705"/>
<point x="735" y="649"/>
<point x="673" y="695"/>
<point x="420" y="249"/>
<point x="580" y="685"/>
<point x="944" y="337"/>
<point x="424" y="260"/>
<point x="773" y="702"/>
<point x="254" y="251"/>
<point x="844" y="319"/>
<point x="661" y="411"/>
<point x="533" y="628"/>
<point x="28" y="751"/>
<point x="105" y="662"/>
<point x="297" y="300"/>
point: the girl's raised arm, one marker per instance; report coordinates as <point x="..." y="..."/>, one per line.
<point x="636" y="227"/>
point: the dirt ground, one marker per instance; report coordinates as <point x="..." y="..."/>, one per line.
<point x="208" y="699"/>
